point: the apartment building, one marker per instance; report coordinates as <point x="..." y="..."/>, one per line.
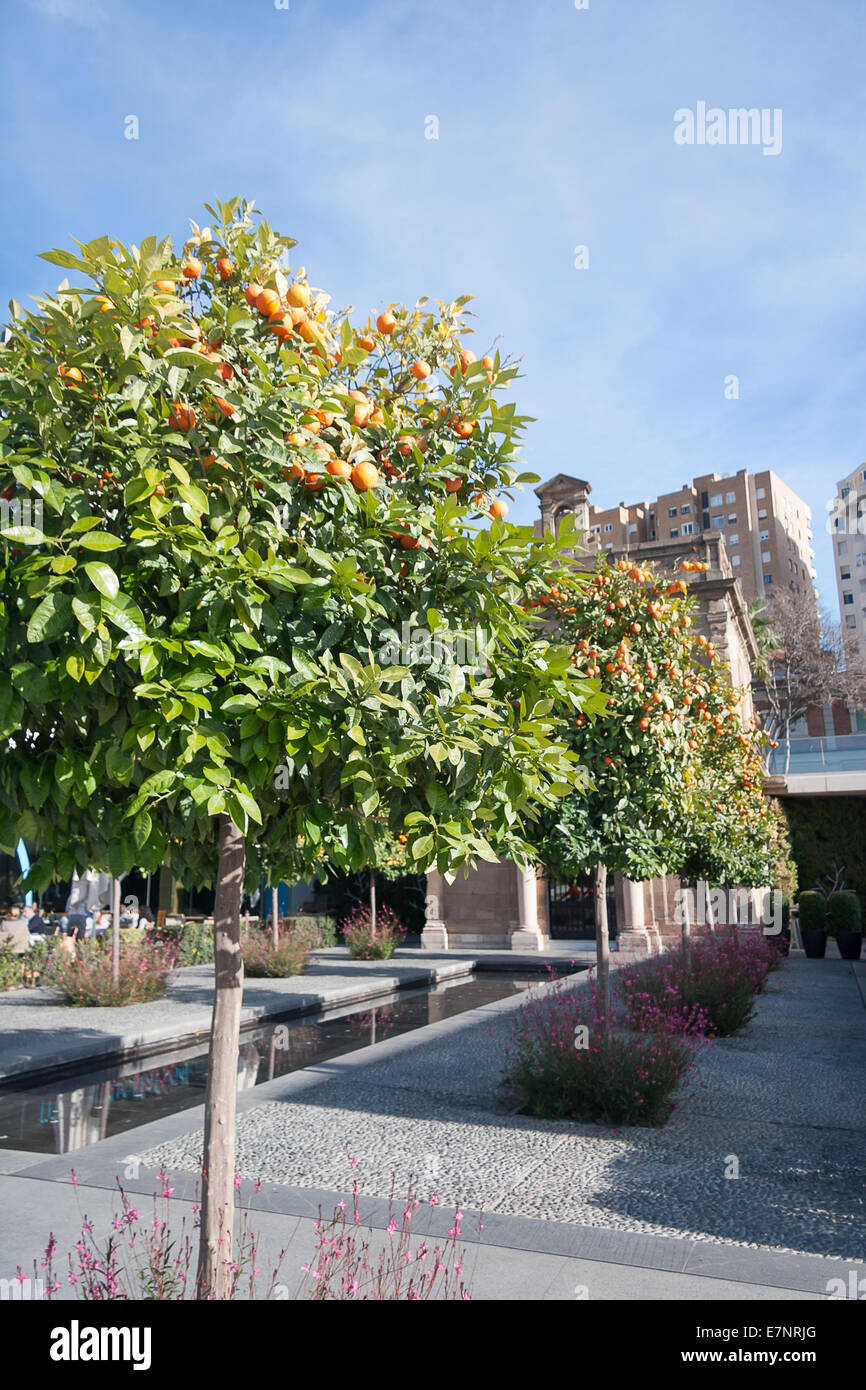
<point x="766" y="527"/>
<point x="847" y="525"/>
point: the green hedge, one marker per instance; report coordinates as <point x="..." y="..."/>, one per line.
<point x="813" y="911"/>
<point x="828" y="830"/>
<point x="844" y="913"/>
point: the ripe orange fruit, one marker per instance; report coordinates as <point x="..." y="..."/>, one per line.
<point x="251" y="294"/>
<point x="191" y="268"/>
<point x="479" y="500"/>
<point x="164" y="286"/>
<point x="405" y="444"/>
<point x="363" y="409"/>
<point x="643" y="723"/>
<point x="386" y="323"/>
<point x="280" y="325"/>
<point x="339" y="468"/>
<point x="377" y="418"/>
<point x="211" y="458"/>
<point x="325" y="417"/>
<point x="225" y="268"/>
<point x="410" y="542"/>
<point x="366" y="343"/>
<point x="364" y="476"/>
<point x="268" y="302"/>
<point x="464" y="428"/>
<point x="71" y="374"/>
<point x="499" y="508"/>
<point x="421" y="369"/>
<point x="453" y="484"/>
<point x="298" y="294"/>
<point x="158" y="491"/>
<point x="181" y="417"/>
<point x="316" y="481"/>
<point x="487" y="362"/>
<point x="293" y="470"/>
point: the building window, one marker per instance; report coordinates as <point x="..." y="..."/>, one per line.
<point x="685" y="509"/>
<point x="718" y="523"/>
<point x="730" y="497"/>
<point x="632" y="528"/>
<point x="768" y="579"/>
<point x="675" y="531"/>
<point x="850" y="620"/>
<point x="765" y="535"/>
<point x="842" y="549"/>
<point x="760" y="492"/>
<point x="861" y="560"/>
<point x="845" y="572"/>
<point x="716" y="500"/>
<point x="762" y="514"/>
<point x="732" y="518"/>
<point x="845" y="491"/>
<point x="688" y="528"/>
<point x="735" y="559"/>
<point x="766" y="557"/>
<point x="672" y="511"/>
<point x="733" y="539"/>
<point x="608" y="526"/>
<point x="597" y="530"/>
<point x="848" y="598"/>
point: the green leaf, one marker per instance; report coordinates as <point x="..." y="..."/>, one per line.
<point x="99" y="540"/>
<point x="23" y="535"/>
<point x="103" y="578"/>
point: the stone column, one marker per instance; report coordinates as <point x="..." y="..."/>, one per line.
<point x="634" y="938"/>
<point x="527" y="935"/>
<point x="434" y="937"/>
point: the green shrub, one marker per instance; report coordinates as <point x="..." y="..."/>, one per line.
<point x="196" y="944"/>
<point x="844" y="914"/>
<point x="10" y="964"/>
<point x="83" y="976"/>
<point x="264" y="960"/>
<point x="322" y="930"/>
<point x="813" y="911"/>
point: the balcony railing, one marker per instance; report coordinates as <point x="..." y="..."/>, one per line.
<point x="836" y="753"/>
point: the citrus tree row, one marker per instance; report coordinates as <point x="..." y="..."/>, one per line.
<point x="244" y="497"/>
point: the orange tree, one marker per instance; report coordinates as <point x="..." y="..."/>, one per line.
<point x="242" y="497"/>
<point x="675" y="784"/>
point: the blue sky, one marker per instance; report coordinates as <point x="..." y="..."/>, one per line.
<point x="555" y="130"/>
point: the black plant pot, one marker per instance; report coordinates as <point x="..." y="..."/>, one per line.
<point x="849" y="943"/>
<point x="815" y="944"/>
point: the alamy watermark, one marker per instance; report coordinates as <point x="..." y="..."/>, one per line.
<point x="738" y="126"/>
<point x="17" y="511"/>
<point x="846" y="516"/>
<point x="730" y="907"/>
<point x="418" y="646"/>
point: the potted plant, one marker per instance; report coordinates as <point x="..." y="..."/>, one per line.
<point x="845" y="922"/>
<point x="813" y="923"/>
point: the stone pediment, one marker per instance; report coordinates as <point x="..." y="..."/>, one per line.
<point x="563" y="484"/>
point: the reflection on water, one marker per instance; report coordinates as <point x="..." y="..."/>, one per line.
<point x="81" y="1109"/>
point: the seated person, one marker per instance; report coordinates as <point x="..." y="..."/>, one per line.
<point x="36" y="924"/>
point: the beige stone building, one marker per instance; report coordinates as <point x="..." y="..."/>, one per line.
<point x="847" y="525"/>
<point x="500" y="906"/>
<point x="766" y="527"/>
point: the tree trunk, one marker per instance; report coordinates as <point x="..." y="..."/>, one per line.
<point x="115" y="932"/>
<point x="602" y="945"/>
<point x="275" y="913"/>
<point x="217" y="1203"/>
<point x="373" y="904"/>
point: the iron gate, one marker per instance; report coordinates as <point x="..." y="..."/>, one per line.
<point x="571" y="908"/>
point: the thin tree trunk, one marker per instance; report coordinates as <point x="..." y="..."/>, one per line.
<point x="602" y="944"/>
<point x="373" y="904"/>
<point x="115" y="932"/>
<point x="276" y="916"/>
<point x="217" y="1205"/>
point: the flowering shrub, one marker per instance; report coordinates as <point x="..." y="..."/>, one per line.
<point x="263" y="958"/>
<point x="367" y="943"/>
<point x="561" y="1064"/>
<point x="710" y="991"/>
<point x="83" y="976"/>
<point x="143" y="1258"/>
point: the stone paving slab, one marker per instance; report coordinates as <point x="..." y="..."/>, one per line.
<point x="800" y="1147"/>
